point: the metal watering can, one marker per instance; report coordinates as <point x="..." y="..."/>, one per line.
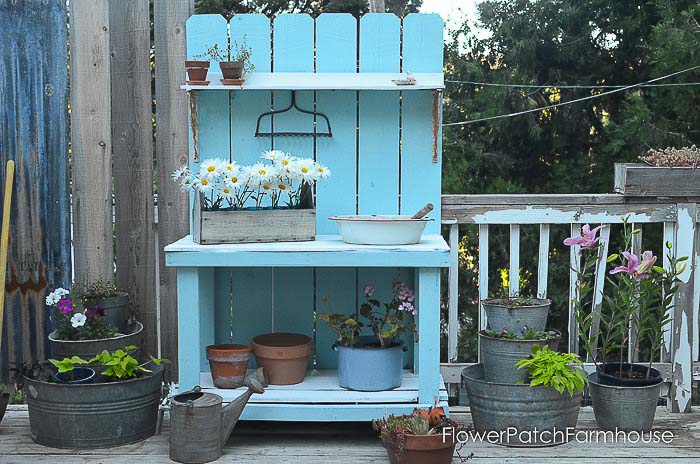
<point x="200" y="427"/>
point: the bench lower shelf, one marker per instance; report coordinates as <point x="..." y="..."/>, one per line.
<point x="320" y="398"/>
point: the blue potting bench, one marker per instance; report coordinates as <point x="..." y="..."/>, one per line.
<point x="384" y="155"/>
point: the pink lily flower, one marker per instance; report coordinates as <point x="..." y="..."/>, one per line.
<point x="637" y="269"/>
<point x="587" y="240"/>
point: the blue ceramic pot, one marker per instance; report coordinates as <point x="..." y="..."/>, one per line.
<point x="84" y="375"/>
<point x="366" y="367"/>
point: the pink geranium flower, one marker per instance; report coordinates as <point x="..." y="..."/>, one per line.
<point x="369" y="291"/>
<point x="635" y="268"/>
<point x="587" y="240"/>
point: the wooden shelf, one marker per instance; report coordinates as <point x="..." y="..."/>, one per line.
<point x="325" y="81"/>
<point x="325" y="251"/>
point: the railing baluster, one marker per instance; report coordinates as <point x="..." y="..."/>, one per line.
<point x="575" y="264"/>
<point x="669" y="236"/>
<point x="633" y="349"/>
<point x="543" y="261"/>
<point x="453" y="325"/>
<point x="483" y="275"/>
<point x="514" y="270"/>
<point x="598" y="288"/>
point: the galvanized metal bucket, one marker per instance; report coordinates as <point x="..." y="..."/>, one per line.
<point x="624" y="408"/>
<point x="499" y="356"/>
<point x="368" y="368"/>
<point x="500" y="314"/>
<point x="97" y="415"/>
<point x="512" y="409"/>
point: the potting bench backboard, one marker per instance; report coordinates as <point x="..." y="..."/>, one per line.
<point x="384" y="153"/>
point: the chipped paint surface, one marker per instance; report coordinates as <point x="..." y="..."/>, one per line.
<point x="539" y="215"/>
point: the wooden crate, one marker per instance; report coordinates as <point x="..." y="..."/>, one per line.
<point x="634" y="179"/>
<point x="252" y="226"/>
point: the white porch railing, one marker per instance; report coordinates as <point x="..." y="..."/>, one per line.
<point x="679" y="357"/>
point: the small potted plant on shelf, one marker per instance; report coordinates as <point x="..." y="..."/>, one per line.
<point x="84" y="320"/>
<point x="422" y="437"/>
<point x="72" y="370"/>
<point x="663" y="172"/>
<point x="269" y="201"/>
<point x="197" y="71"/>
<point x="235" y="69"/>
<point x="625" y="394"/>
<point x="119" y="406"/>
<point x="373" y="363"/>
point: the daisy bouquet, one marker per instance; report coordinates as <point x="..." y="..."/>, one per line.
<point x="279" y="180"/>
<point x="76" y="321"/>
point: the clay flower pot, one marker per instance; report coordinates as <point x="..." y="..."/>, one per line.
<point x="197" y="70"/>
<point x="228" y="364"/>
<point x="285" y="356"/>
<point x="231" y="69"/>
<point x="420" y="449"/>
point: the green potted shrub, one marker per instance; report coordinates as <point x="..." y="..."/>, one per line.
<point x="373" y="363"/>
<point x="120" y="406"/>
<point x="422" y="437"/>
<point x="640" y="295"/>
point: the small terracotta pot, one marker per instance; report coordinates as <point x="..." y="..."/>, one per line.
<point x="420" y="449"/>
<point x="228" y="364"/>
<point x="285" y="356"/>
<point x="197" y="70"/>
<point x="231" y="69"/>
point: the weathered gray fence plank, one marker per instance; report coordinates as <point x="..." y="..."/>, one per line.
<point x="91" y="140"/>
<point x="34" y="132"/>
<point x="171" y="151"/>
<point x="132" y="148"/>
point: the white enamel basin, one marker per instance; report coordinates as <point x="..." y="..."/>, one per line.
<point x="380" y="229"/>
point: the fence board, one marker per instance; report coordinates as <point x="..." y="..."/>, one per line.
<point x="34" y="132"/>
<point x="91" y="140"/>
<point x="171" y="151"/>
<point x="132" y="140"/>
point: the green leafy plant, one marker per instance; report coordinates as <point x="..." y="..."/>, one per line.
<point x="91" y="292"/>
<point x="237" y="52"/>
<point x="121" y="365"/>
<point x="527" y="335"/>
<point x="561" y="371"/>
<point x="68" y="365"/>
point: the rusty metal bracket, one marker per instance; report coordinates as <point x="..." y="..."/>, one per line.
<point x="194" y="123"/>
<point x="437" y="99"/>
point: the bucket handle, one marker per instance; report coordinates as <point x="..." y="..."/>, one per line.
<point x="195" y="389"/>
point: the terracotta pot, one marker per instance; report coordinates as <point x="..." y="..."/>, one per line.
<point x="197" y="70"/>
<point x="231" y="69"/>
<point x="285" y="356"/>
<point x="228" y="364"/>
<point x="420" y="449"/>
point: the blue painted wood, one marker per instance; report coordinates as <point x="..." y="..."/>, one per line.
<point x="294" y="52"/>
<point x="420" y="176"/>
<point x="330" y="412"/>
<point x="428" y="356"/>
<point x="195" y="321"/>
<point x="34" y="133"/>
<point x="336" y="51"/>
<point x="252" y="287"/>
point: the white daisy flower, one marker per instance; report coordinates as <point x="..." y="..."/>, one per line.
<point x="284" y="160"/>
<point x="211" y="168"/>
<point x="283" y="186"/>
<point x="305" y="170"/>
<point x="237" y="180"/>
<point x="263" y="172"/>
<point x="230" y="169"/>
<point x="322" y="171"/>
<point x="273" y="155"/>
<point x="203" y="184"/>
<point x="182" y="171"/>
<point x="78" y="320"/>
<point x="186" y="184"/>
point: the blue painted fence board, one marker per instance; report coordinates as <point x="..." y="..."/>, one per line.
<point x="34" y="132"/>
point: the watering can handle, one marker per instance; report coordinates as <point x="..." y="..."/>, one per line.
<point x="190" y="403"/>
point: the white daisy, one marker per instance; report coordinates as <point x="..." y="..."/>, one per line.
<point x="263" y="172"/>
<point x="203" y="184"/>
<point x="211" y="168"/>
<point x="182" y="171"/>
<point x="230" y="169"/>
<point x="284" y="160"/>
<point x="322" y="171"/>
<point x="305" y="170"/>
<point x="237" y="180"/>
<point x="273" y="155"/>
<point x="78" y="320"/>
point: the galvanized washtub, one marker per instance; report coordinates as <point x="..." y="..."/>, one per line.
<point x="512" y="409"/>
<point x="499" y="356"/>
<point x="97" y="415"/>
<point x="624" y="408"/>
<point x="500" y="314"/>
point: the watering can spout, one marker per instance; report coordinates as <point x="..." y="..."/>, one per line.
<point x="232" y="411"/>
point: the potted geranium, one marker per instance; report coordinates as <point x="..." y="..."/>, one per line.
<point x="119" y="406"/>
<point x="268" y="201"/>
<point x="663" y="172"/>
<point x="641" y="294"/>
<point x="373" y="363"/>
<point x="83" y="321"/>
<point x="422" y="437"/>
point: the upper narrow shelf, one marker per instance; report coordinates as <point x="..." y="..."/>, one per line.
<point x="325" y="81"/>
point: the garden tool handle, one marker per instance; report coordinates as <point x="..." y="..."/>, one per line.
<point x="423" y="211"/>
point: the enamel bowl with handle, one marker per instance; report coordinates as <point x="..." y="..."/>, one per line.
<point x="380" y="229"/>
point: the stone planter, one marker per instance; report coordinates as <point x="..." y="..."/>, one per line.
<point x="641" y="180"/>
<point x="499" y="356"/>
<point x="500" y="314"/>
<point x="512" y="409"/>
<point x="97" y="415"/>
<point x="624" y="408"/>
<point x="87" y="349"/>
<point x="369" y="368"/>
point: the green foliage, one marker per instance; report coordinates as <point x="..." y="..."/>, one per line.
<point x="347" y="328"/>
<point x="67" y="364"/>
<point x="91" y="292"/>
<point x="121" y="365"/>
<point x="561" y="371"/>
<point x="528" y="335"/>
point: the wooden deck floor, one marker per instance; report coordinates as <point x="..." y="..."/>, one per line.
<point x="258" y="442"/>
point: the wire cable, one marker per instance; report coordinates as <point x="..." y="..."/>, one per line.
<point x="566" y="86"/>
<point x="570" y="102"/>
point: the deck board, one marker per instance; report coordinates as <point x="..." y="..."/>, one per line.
<point x="311" y="443"/>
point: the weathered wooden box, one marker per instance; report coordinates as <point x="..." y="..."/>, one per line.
<point x="252" y="226"/>
<point x="634" y="179"/>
